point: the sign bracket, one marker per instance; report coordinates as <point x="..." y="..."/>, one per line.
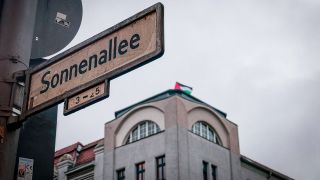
<point x="14" y="109"/>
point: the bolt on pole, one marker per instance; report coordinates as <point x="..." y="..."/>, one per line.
<point x="17" y="19"/>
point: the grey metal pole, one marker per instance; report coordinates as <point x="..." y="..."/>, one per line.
<point x="16" y="33"/>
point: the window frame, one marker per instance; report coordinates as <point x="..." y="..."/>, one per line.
<point x="140" y="171"/>
<point x="160" y="167"/>
<point x="121" y="171"/>
<point x="135" y="134"/>
<point x="205" y="165"/>
<point x="214" y="172"/>
<point x="203" y="129"/>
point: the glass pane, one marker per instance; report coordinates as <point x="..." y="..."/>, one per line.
<point x="121" y="174"/>
<point x="151" y="128"/>
<point x="128" y="140"/>
<point x="135" y="134"/>
<point x="161" y="168"/>
<point x="157" y="128"/>
<point x="205" y="170"/>
<point x="140" y="171"/>
<point x="196" y="128"/>
<point x="214" y="172"/>
<point x="143" y="130"/>
<point x="210" y="135"/>
<point x="218" y="140"/>
<point x="204" y="130"/>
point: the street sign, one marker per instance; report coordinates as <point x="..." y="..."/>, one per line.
<point x="85" y="98"/>
<point x="107" y="55"/>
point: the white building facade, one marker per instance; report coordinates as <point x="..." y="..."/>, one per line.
<point x="172" y="136"/>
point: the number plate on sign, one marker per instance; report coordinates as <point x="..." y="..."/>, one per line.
<point x="85" y="98"/>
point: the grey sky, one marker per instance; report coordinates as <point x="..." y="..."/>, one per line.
<point x="258" y="61"/>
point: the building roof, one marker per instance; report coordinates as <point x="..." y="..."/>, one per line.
<point x="67" y="149"/>
<point x="167" y="94"/>
<point x="263" y="168"/>
<point x="87" y="152"/>
<point x="84" y="155"/>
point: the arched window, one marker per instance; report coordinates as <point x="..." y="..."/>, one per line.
<point x="142" y="130"/>
<point x="206" y="131"/>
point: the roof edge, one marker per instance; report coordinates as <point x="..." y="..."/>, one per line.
<point x="264" y="168"/>
<point x="164" y="95"/>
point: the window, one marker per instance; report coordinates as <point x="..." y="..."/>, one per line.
<point x="142" y="130"/>
<point x="205" y="170"/>
<point x="134" y="135"/>
<point x="140" y="171"/>
<point x="120" y="174"/>
<point x="211" y="135"/>
<point x="206" y="131"/>
<point x="214" y="172"/>
<point x="203" y="130"/>
<point x="161" y="169"/>
<point x="196" y="128"/>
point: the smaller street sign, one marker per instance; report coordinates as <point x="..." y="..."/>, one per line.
<point x="89" y="96"/>
<point x="107" y="55"/>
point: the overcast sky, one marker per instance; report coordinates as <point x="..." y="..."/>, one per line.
<point x="258" y="61"/>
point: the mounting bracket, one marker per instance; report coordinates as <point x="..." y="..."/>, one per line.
<point x="13" y="110"/>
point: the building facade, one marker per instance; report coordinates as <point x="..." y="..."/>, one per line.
<point x="172" y="136"/>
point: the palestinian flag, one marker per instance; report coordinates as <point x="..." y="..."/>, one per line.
<point x="182" y="87"/>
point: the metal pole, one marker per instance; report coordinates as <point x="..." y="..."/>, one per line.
<point x="16" y="33"/>
<point x="37" y="139"/>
